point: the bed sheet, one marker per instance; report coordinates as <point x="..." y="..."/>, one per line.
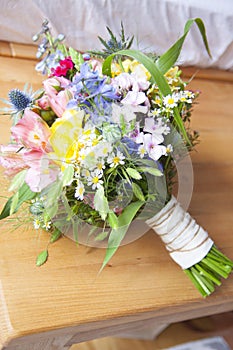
<point x="156" y="24"/>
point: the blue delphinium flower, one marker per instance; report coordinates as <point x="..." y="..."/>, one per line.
<point x="132" y="147"/>
<point x="91" y="90"/>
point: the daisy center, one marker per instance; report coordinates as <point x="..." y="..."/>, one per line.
<point x="95" y="180"/>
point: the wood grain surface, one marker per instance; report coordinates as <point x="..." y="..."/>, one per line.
<point x="66" y="300"/>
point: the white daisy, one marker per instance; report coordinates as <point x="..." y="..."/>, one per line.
<point x="170" y="101"/>
<point x="47" y="225"/>
<point x="37" y="224"/>
<point x="115" y="159"/>
<point x="94" y="180"/>
<point x="79" y="191"/>
<point x="141" y="151"/>
<point x="169" y="149"/>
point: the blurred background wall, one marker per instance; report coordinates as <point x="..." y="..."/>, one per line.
<point x="156" y="24"/>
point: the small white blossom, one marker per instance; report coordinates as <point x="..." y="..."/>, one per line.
<point x="79" y="191"/>
<point x="154" y="150"/>
<point x="170" y="101"/>
<point x="37" y="224"/>
<point x="100" y="165"/>
<point x="47" y="225"/>
<point x="85" y="172"/>
<point x="169" y="149"/>
<point x="103" y="149"/>
<point x="141" y="151"/>
<point x="115" y="159"/>
<point x="94" y="180"/>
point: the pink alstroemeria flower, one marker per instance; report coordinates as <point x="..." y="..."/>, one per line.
<point x="42" y="173"/>
<point x="42" y="170"/>
<point x="32" y="132"/>
<point x="58" y="94"/>
<point x="12" y="159"/>
<point x="43" y="102"/>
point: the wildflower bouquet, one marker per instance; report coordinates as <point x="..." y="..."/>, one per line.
<point x="98" y="147"/>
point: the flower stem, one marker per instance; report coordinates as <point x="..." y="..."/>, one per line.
<point x="208" y="272"/>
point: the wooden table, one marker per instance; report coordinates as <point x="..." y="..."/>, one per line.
<point x="141" y="290"/>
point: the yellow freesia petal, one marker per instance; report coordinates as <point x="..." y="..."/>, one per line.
<point x="65" y="131"/>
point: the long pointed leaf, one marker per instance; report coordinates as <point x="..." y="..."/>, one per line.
<point x="156" y="76"/>
<point x="169" y="58"/>
<point x="118" y="233"/>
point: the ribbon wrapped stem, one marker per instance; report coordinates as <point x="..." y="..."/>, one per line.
<point x="190" y="246"/>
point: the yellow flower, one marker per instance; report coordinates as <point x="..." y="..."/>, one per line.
<point x="116" y="69"/>
<point x="139" y="70"/>
<point x="126" y="65"/>
<point x="172" y="72"/>
<point x="64" y="135"/>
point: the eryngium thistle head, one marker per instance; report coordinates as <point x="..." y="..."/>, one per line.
<point x="19" y="99"/>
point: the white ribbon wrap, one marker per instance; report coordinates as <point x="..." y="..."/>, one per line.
<point x="187" y="242"/>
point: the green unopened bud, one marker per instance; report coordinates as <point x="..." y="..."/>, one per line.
<point x="36" y="208"/>
<point x="48" y="116"/>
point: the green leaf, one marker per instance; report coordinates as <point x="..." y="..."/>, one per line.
<point x="112" y="219"/>
<point x="101" y="236"/>
<point x="118" y="233"/>
<point x="68" y="175"/>
<point x="42" y="258"/>
<point x="138" y="192"/>
<point x="14" y="203"/>
<point x="156" y="76"/>
<point x="134" y="173"/>
<point x="76" y="57"/>
<point x="52" y="194"/>
<point x="6" y="209"/>
<point x="101" y="203"/>
<point x="24" y="195"/>
<point x="56" y="234"/>
<point x="152" y="171"/>
<point x="169" y="58"/>
<point x="18" y="180"/>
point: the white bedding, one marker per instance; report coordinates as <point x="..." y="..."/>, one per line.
<point x="156" y="24"/>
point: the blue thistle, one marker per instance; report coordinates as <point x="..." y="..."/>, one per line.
<point x="19" y="99"/>
<point x="113" y="44"/>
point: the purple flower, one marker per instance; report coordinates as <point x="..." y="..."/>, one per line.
<point x="91" y="90"/>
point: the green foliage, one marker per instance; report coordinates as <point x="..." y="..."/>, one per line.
<point x="133" y="173"/>
<point x="24" y="194"/>
<point x="76" y="57"/>
<point x="113" y="44"/>
<point x="18" y="180"/>
<point x="138" y="191"/>
<point x="55" y="235"/>
<point x="42" y="258"/>
<point x="101" y="203"/>
<point x="68" y="176"/>
<point x="119" y="229"/>
<point x="163" y="64"/>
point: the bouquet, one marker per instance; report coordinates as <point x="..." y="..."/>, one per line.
<point x="98" y="147"/>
